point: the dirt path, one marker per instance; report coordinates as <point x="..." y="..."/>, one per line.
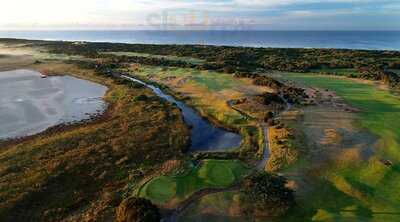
<point x="261" y="165"/>
<point x="263" y="162"/>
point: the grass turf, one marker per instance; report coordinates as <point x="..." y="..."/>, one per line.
<point x="209" y="174"/>
<point x="210" y="80"/>
<point x="367" y="190"/>
<point x="349" y="72"/>
<point x="340" y="72"/>
<point x="161" y="189"/>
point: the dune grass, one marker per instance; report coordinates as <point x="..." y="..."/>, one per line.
<point x="71" y="168"/>
<point x="209" y="174"/>
<point x="366" y="190"/>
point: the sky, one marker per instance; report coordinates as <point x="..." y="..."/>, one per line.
<point x="202" y="14"/>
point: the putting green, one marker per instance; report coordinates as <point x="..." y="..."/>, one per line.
<point x="209" y="174"/>
<point x="217" y="174"/>
<point x="160" y="189"/>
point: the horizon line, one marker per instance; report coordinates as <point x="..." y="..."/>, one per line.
<point x="200" y="30"/>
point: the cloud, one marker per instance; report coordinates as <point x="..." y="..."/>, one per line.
<point x="108" y="13"/>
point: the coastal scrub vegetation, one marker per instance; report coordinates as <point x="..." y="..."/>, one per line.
<point x="87" y="167"/>
<point x="378" y="65"/>
<point x="137" y="210"/>
<point x="209" y="174"/>
<point x="268" y="194"/>
<point x="111" y="159"/>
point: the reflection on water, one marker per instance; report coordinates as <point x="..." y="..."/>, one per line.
<point x="204" y="136"/>
<point x="30" y="104"/>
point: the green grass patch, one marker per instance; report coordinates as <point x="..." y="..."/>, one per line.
<point x="340" y="72"/>
<point x="214" y="81"/>
<point x="209" y="174"/>
<point x="370" y="186"/>
<point x="208" y="90"/>
<point x="161" y="189"/>
<point x="211" y="80"/>
<point x="217" y="174"/>
<point x="380" y="110"/>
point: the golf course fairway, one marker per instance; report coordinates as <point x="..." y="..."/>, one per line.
<point x="360" y="189"/>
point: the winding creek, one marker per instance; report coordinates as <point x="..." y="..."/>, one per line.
<point x="31" y="103"/>
<point x="204" y="136"/>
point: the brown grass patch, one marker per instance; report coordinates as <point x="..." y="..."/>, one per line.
<point x="78" y="173"/>
<point x="282" y="150"/>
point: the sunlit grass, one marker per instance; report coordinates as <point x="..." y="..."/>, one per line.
<point x="368" y="184"/>
<point x="209" y="91"/>
<point x="67" y="164"/>
<point x="209" y="174"/>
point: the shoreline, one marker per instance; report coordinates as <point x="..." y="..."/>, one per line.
<point x="270" y="45"/>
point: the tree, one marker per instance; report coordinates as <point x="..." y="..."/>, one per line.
<point x="136" y="209"/>
<point x="268" y="194"/>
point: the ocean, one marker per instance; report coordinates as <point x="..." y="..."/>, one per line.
<point x="370" y="40"/>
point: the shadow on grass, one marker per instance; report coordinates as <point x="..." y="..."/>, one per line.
<point x="325" y="196"/>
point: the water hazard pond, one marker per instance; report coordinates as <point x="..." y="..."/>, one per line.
<point x="204" y="136"/>
<point x="30" y="104"/>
